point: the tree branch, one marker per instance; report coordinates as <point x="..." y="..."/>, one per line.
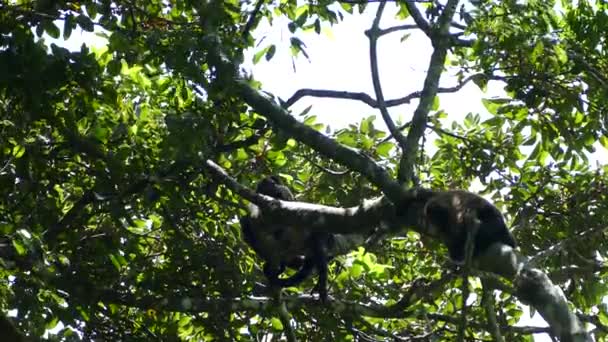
<point x="536" y="289"/>
<point x="252" y="18"/>
<point x="365" y="98"/>
<point x="382" y="32"/>
<point x="373" y="34"/>
<point x="418" y="18"/>
<point x="440" y="41"/>
<point x="488" y="303"/>
<point x="359" y="219"/>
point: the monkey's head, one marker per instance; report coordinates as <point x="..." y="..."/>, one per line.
<point x="273" y="187"/>
<point x="450" y="215"/>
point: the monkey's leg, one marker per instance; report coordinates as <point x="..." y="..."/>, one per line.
<point x="320" y="259"/>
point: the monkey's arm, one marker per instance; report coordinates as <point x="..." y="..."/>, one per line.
<point x="297" y="278"/>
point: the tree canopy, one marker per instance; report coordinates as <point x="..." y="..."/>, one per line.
<point x="124" y="170"/>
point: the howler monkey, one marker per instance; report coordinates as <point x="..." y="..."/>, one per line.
<point x="283" y="246"/>
<point x="451" y="214"/>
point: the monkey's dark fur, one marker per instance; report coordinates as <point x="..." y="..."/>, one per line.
<point x="283" y="246"/>
<point x="451" y="214"/>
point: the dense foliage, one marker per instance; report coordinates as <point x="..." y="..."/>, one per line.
<point x="110" y="225"/>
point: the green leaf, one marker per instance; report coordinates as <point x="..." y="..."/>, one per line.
<point x="542" y="157"/>
<point x="310" y="120"/>
<point x="115" y="262"/>
<point x="18" y="151"/>
<point x="39" y="30"/>
<point x="538" y="51"/>
<point x="51" y="29"/>
<point x="347" y="138"/>
<point x="367" y="125"/>
<point x="297" y="46"/>
<point x="435" y="105"/>
<point x="91" y="9"/>
<point x="492" y="105"/>
<point x="19" y="247"/>
<point x="113" y="67"/>
<point x="604" y="141"/>
<point x="68" y="25"/>
<point x="272" y="49"/>
<point x="530" y="141"/>
<point x="356" y="270"/>
<point x="83" y="313"/>
<point x="481" y="82"/>
<point x="101" y="134"/>
<point x="306" y="111"/>
<point x="85" y="23"/>
<point x="276" y="324"/>
<point x="258" y="55"/>
<point x="52" y="323"/>
<point x="384" y="149"/>
<point x="561" y="54"/>
<point x="403" y="13"/>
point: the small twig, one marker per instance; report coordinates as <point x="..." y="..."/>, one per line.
<point x="251" y="20"/>
<point x="327" y="170"/>
<point x="444" y="132"/>
<point x="487" y="300"/>
<point x="534" y="260"/>
<point x="252" y="140"/>
<point x="458" y="26"/>
<point x="382" y="32"/>
<point x="418" y="18"/>
<point x="285" y="320"/>
<point x="8" y="162"/>
<point x="243" y="191"/>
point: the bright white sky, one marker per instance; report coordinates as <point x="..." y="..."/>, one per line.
<point x="339" y="60"/>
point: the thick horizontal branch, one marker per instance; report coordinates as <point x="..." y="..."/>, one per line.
<point x="315" y="217"/>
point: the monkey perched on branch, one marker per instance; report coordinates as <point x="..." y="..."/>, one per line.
<point x="452" y="214"/>
<point x="282" y="246"/>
